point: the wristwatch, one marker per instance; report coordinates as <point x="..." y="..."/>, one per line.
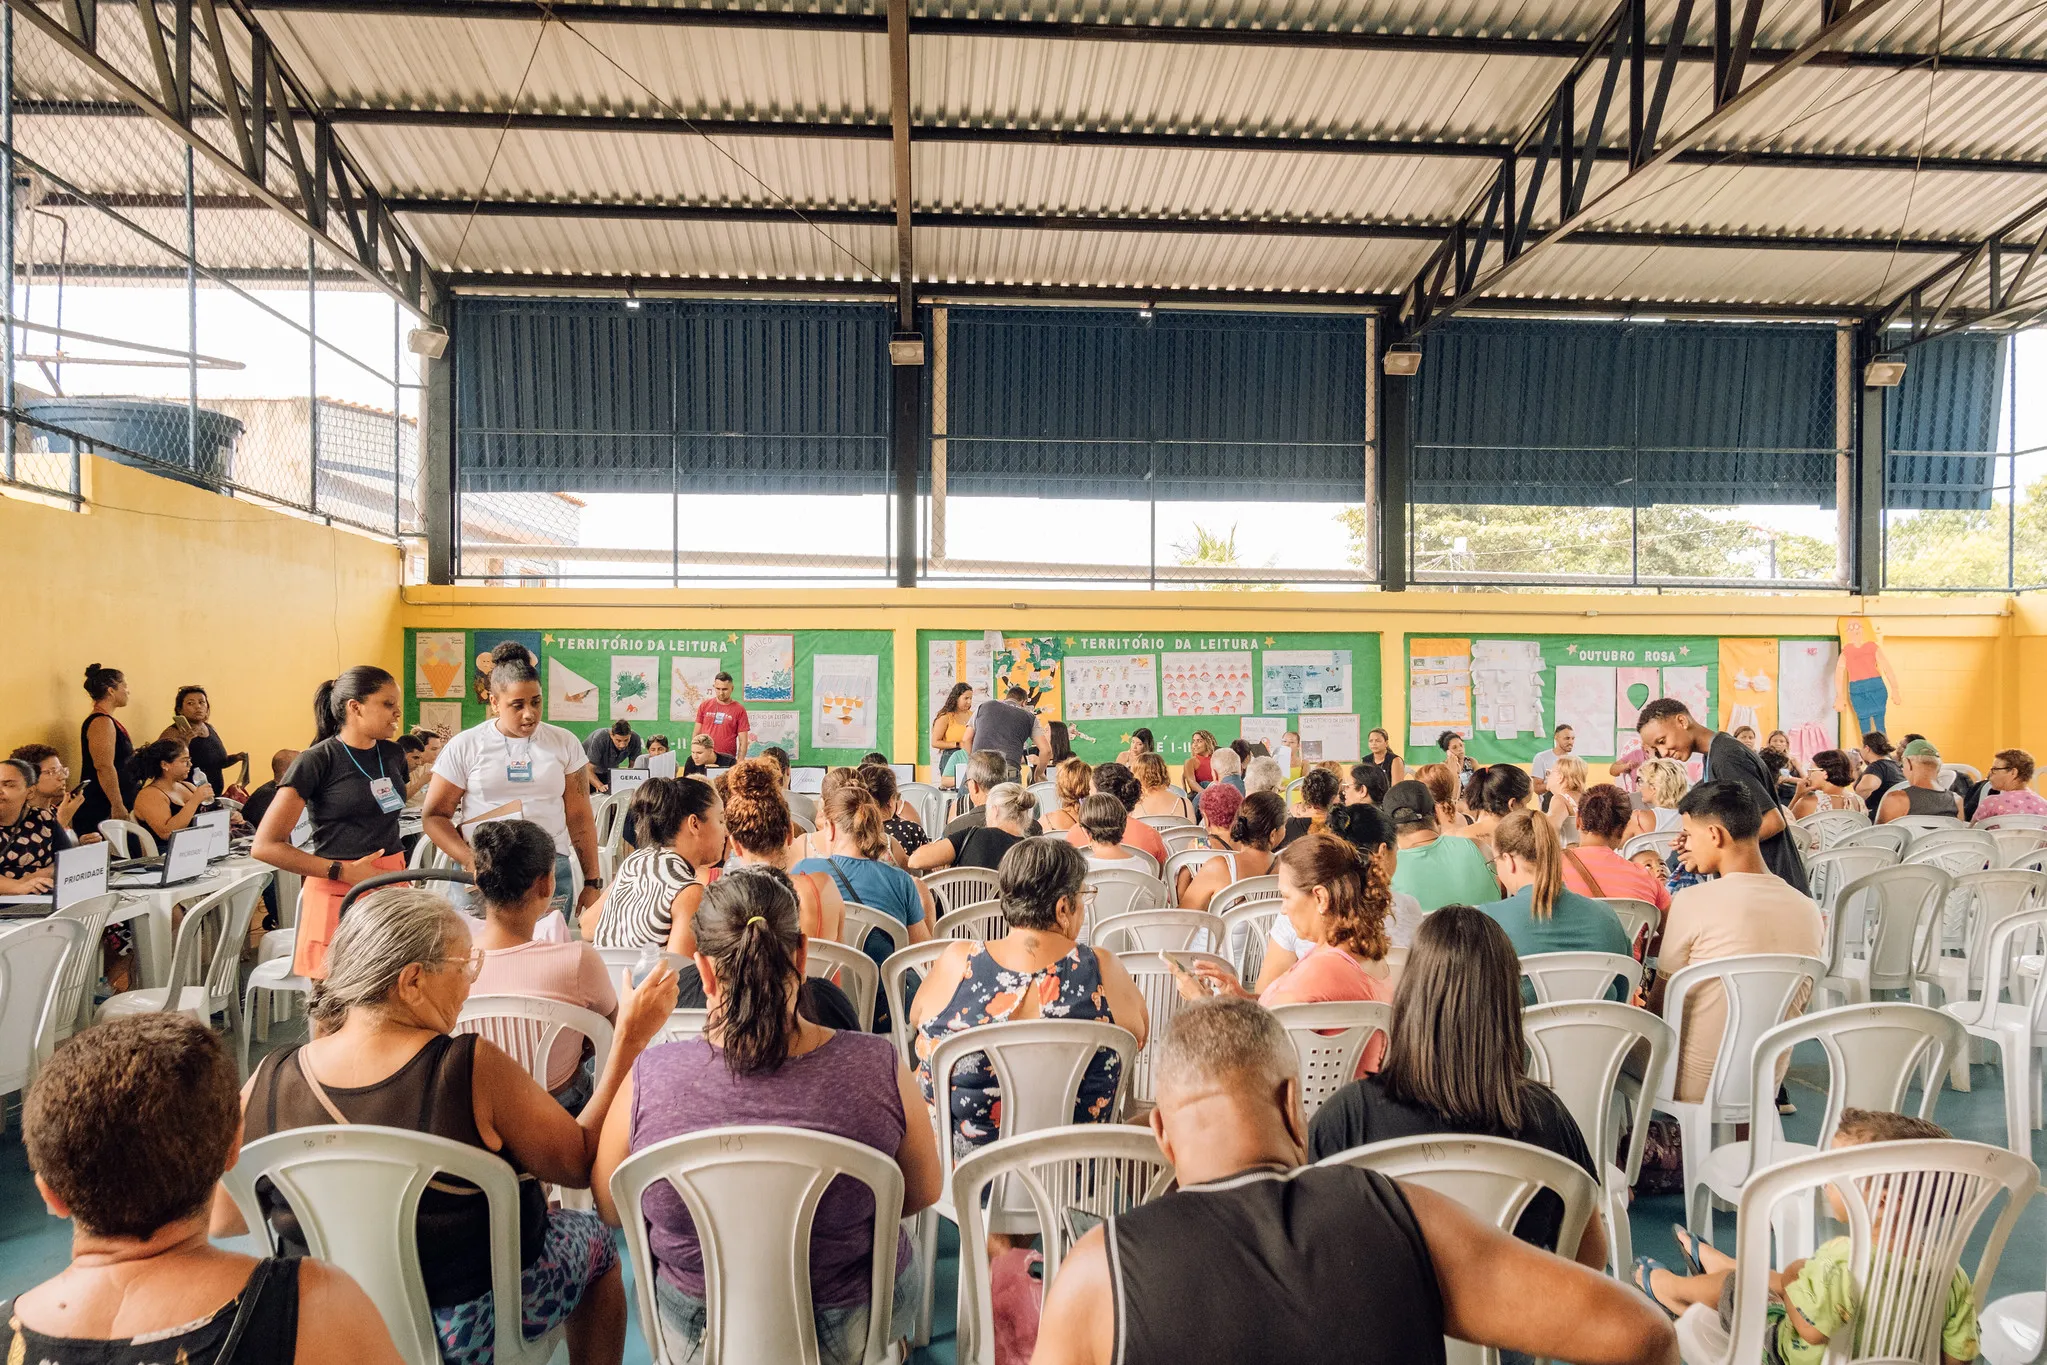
<point x="333" y="871"/>
<point x="593" y="883"/>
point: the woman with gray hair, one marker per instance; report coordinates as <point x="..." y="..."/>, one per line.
<point x="1040" y="970"/>
<point x="384" y="1053"/>
<point x="1010" y="808"/>
<point x="1263" y="774"/>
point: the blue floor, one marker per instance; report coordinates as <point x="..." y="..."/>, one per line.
<point x="34" y="1246"/>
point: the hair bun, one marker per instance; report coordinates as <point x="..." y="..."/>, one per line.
<point x="755" y="779"/>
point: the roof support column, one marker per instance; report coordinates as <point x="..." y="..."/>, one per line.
<point x="906" y="352"/>
<point x="437" y="454"/>
<point x="1396" y="459"/>
<point x="1866" y="575"/>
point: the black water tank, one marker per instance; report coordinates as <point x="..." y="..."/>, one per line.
<point x="157" y="432"/>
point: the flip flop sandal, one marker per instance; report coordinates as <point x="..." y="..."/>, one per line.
<point x="1689" y="1245"/>
<point x="1644" y="1268"/>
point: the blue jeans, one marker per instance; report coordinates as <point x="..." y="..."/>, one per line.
<point x="568" y="882"/>
<point x="1869" y="697"/>
<point x="841" y="1332"/>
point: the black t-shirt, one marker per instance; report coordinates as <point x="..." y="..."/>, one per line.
<point x="258" y="803"/>
<point x="334" y="781"/>
<point x="1729" y="760"/>
<point x="982" y="846"/>
<point x="1363" y="1112"/>
<point x="1888" y="775"/>
<point x="209" y="758"/>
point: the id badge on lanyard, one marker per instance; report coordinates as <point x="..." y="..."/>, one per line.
<point x="519" y="768"/>
<point x="389" y="799"/>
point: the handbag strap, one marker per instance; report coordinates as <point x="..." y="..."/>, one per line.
<point x="334" y="1112"/>
<point x="252" y="1295"/>
<point x="1585" y="872"/>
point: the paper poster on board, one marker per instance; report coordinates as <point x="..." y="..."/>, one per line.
<point x="1112" y="687"/>
<point x="690" y="680"/>
<point x="437" y="663"/>
<point x="844" y="689"/>
<point x="774" y="729"/>
<point x="634" y="680"/>
<point x="1587" y="702"/>
<point x="1748" y="685"/>
<point x="1438" y="689"/>
<point x="570" y="695"/>
<point x="1206" y="684"/>
<point x="1805" y="695"/>
<point x="1689" y="686"/>
<point x="768" y="668"/>
<point x="1299" y="680"/>
<point x="1267" y="730"/>
<point x="1328" y="735"/>
<point x="442" y="717"/>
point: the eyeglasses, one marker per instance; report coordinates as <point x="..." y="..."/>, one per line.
<point x="472" y="965"/>
<point x="2002" y="768"/>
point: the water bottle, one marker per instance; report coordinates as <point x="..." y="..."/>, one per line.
<point x="650" y="958"/>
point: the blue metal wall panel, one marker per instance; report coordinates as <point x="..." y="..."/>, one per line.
<point x="1948" y="404"/>
<point x="1180" y="406"/>
<point x="578" y="395"/>
<point x="1616" y="415"/>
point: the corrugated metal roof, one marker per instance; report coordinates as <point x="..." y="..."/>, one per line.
<point x="1164" y="260"/>
<point x="578" y="247"/>
<point x="1677" y="275"/>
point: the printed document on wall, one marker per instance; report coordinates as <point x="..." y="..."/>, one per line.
<point x="1111" y="686"/>
<point x="1439" y="689"/>
<point x="634" y="679"/>
<point x="690" y="680"/>
<point x="1585" y="702"/>
<point x="1328" y="735"/>
<point x="843" y="694"/>
<point x="1206" y="684"/>
<point x="1298" y="680"/>
<point x="774" y="728"/>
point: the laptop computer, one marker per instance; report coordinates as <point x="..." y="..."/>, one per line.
<point x="215" y="823"/>
<point x="184" y="858"/>
<point x="662" y="765"/>
<point x="905" y="772"/>
<point x="80" y="874"/>
<point x="807" y="780"/>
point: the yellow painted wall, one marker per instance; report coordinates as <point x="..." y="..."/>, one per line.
<point x="2028" y="674"/>
<point x="1954" y="657"/>
<point x="174" y="585"/>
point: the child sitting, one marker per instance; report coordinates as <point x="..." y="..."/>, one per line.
<point x="1812" y="1299"/>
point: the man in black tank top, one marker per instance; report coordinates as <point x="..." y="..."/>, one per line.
<point x="1257" y="1258"/>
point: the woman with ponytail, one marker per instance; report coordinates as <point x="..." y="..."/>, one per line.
<point x="760" y="1061"/>
<point x="856" y="859"/>
<point x="351" y="781"/>
<point x="1540" y="914"/>
<point x="1255" y="829"/>
<point x="1338" y="903"/>
<point x="105" y="752"/>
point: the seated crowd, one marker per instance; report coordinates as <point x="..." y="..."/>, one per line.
<point x="1422" y="890"/>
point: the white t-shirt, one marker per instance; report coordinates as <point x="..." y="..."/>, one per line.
<point x="1544" y="761"/>
<point x="485" y="761"/>
<point x="1400" y="926"/>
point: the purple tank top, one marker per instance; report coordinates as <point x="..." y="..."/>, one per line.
<point x="847" y="1088"/>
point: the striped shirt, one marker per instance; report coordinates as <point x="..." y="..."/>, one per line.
<point x="640" y="910"/>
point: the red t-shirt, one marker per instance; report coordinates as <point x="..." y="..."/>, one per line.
<point x="722" y="721"/>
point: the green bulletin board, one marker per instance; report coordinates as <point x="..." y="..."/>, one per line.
<point x="825" y="695"/>
<point x="1103" y="685"/>
<point x="1507" y="692"/>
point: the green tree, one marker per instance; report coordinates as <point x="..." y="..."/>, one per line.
<point x="1213" y="550"/>
<point x="1968" y="548"/>
<point x="1479" y="542"/>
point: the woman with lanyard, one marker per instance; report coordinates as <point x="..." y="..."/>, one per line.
<point x="351" y="781"/>
<point x="513" y="759"/>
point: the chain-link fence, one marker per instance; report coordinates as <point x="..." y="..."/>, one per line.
<point x="164" y="317"/>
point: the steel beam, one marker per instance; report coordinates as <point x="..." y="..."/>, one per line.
<point x="906" y="382"/>
<point x="863" y="25"/>
<point x="1553" y="135"/>
<point x="2023" y="239"/>
<point x="273" y="99"/>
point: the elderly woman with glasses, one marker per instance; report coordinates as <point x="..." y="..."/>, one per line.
<point x="385" y="1052"/>
<point x="1039" y="970"/>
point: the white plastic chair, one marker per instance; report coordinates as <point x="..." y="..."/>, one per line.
<point x="2018" y="1028"/>
<point x="855" y="971"/>
<point x="33" y="958"/>
<point x="1046" y="794"/>
<point x="1833" y="868"/>
<point x="617" y="960"/>
<point x="1193" y="860"/>
<point x="1039" y="1066"/>
<point x="1182" y="838"/>
<point x="1578" y="1049"/>
<point x="1330" y="1037"/>
<point x="2014" y="844"/>
<point x="1933" y="1195"/>
<point x="72" y="1008"/>
<point x="1495" y="1179"/>
<point x="1659" y="842"/>
<point x="2016" y="820"/>
<point x="1243" y="891"/>
<point x="1981" y="839"/>
<point x="1091" y="1168"/>
<point x="1873" y="1053"/>
<point x="929" y="803"/>
<point x="682" y="1026"/>
<point x="355" y="1190"/>
<point x="1832" y="825"/>
<point x="1154" y="978"/>
<point x="1135" y="860"/>
<point x="128" y="839"/>
<point x="1917" y="825"/>
<point x="980" y="921"/>
<point x="1558" y="977"/>
<point x="752" y="1192"/>
<point x="1151" y="931"/>
<point x="1761" y="991"/>
<point x="207" y="953"/>
<point x="1162" y="823"/>
<point x="862" y="920"/>
<point x="803" y="806"/>
<point x="1118" y="891"/>
<point x="895" y="983"/>
<point x="1246" y="930"/>
<point x="2031" y="862"/>
<point x="954" y="887"/>
<point x="1884" y="932"/>
<point x="1638" y="918"/>
<point x="1879" y="836"/>
<point x="614" y="814"/>
<point x="527" y="1028"/>
<point x="1991" y="895"/>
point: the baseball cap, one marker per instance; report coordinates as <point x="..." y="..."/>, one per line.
<point x="1409" y="804"/>
<point x="1920" y="748"/>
